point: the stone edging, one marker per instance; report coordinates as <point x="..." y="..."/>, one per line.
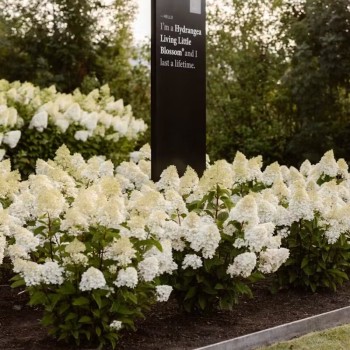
<point x="285" y="332"/>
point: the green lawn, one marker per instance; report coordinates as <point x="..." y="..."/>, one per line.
<point x="332" y="339"/>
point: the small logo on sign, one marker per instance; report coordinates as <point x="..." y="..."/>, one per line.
<point x="196" y="6"/>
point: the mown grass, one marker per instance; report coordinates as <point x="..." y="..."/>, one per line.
<point x="333" y="339"/>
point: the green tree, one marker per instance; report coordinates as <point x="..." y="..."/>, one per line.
<point x="65" y="42"/>
<point x="245" y="65"/>
<point x="318" y="79"/>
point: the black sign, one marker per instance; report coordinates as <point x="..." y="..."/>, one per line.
<point x="178" y="85"/>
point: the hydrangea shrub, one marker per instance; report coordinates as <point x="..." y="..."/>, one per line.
<point x="98" y="244"/>
<point x="316" y="230"/>
<point x="71" y="241"/>
<point x="35" y="122"/>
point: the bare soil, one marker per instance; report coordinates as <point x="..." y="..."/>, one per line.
<point x="167" y="328"/>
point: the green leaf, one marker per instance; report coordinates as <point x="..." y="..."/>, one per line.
<point x="85" y="319"/>
<point x="98" y="331"/>
<point x="219" y="286"/>
<point x="304" y="262"/>
<point x="96" y="296"/>
<point x="223" y="216"/>
<point x="37" y="298"/>
<point x="80" y="301"/>
<point x="18" y="283"/>
<point x="191" y="293"/>
<point x="202" y="302"/>
<point x="70" y="316"/>
<point x="67" y="289"/>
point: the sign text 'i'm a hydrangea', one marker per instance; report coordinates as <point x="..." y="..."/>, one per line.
<point x="178" y="85"/>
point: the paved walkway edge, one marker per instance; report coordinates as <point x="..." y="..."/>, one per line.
<point x="285" y="332"/>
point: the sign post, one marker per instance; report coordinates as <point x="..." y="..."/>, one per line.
<point x="178" y="81"/>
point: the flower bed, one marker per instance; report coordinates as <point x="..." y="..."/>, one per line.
<point x="35" y="122"/>
<point x="97" y="245"/>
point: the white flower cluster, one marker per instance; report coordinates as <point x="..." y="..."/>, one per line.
<point x="163" y="292"/>
<point x="34" y="274"/>
<point x="95" y="114"/>
<point x="91" y="279"/>
<point x="68" y="197"/>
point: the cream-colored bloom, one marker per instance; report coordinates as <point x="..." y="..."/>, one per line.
<point x="272" y="259"/>
<point x="188" y="182"/>
<point x="169" y="179"/>
<point x="246" y="211"/>
<point x="91" y="279"/>
<point x="75" y="247"/>
<point x="271" y="174"/>
<point x="240" y="168"/>
<point x="39" y="121"/>
<point x="243" y="265"/>
<point x="163" y="292"/>
<point x="122" y="251"/>
<point x="11" y="138"/>
<point x="220" y="173"/>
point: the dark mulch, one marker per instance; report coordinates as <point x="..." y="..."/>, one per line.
<point x="166" y="328"/>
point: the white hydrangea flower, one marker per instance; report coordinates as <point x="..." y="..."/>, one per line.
<point x="133" y="172"/>
<point x="26" y="239"/>
<point x="75" y="247"/>
<point x="306" y="168"/>
<point x="283" y="217"/>
<point x="220" y="173"/>
<point x="259" y="236"/>
<point x="50" y="201"/>
<point x="82" y="135"/>
<point x="245" y="211"/>
<point x="192" y="260"/>
<point x="164" y="257"/>
<point x="271" y="174"/>
<point x="136" y="225"/>
<point x="127" y="277"/>
<point x="176" y="203"/>
<point x="343" y="169"/>
<point x="300" y="205"/>
<point x="205" y="237"/>
<point x="243" y="265"/>
<point x="143" y="154"/>
<point x="266" y="210"/>
<point x="163" y="292"/>
<point x="73" y="112"/>
<point x="116" y="325"/>
<point x="254" y="167"/>
<point x="188" y="182"/>
<point x="271" y="259"/>
<point x="39" y="121"/>
<point x="76" y="259"/>
<point x="116" y="107"/>
<point x="148" y="268"/>
<point x="328" y="165"/>
<point x="52" y="273"/>
<point x="91" y="279"/>
<point x="169" y="179"/>
<point x="61" y="123"/>
<point x="31" y="272"/>
<point x="89" y="120"/>
<point x="239" y="243"/>
<point x="120" y="125"/>
<point x="240" y="168"/>
<point x="146" y="201"/>
<point x="11" y="138"/>
<point x="280" y="189"/>
<point x="122" y="251"/>
<point x="15" y="251"/>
